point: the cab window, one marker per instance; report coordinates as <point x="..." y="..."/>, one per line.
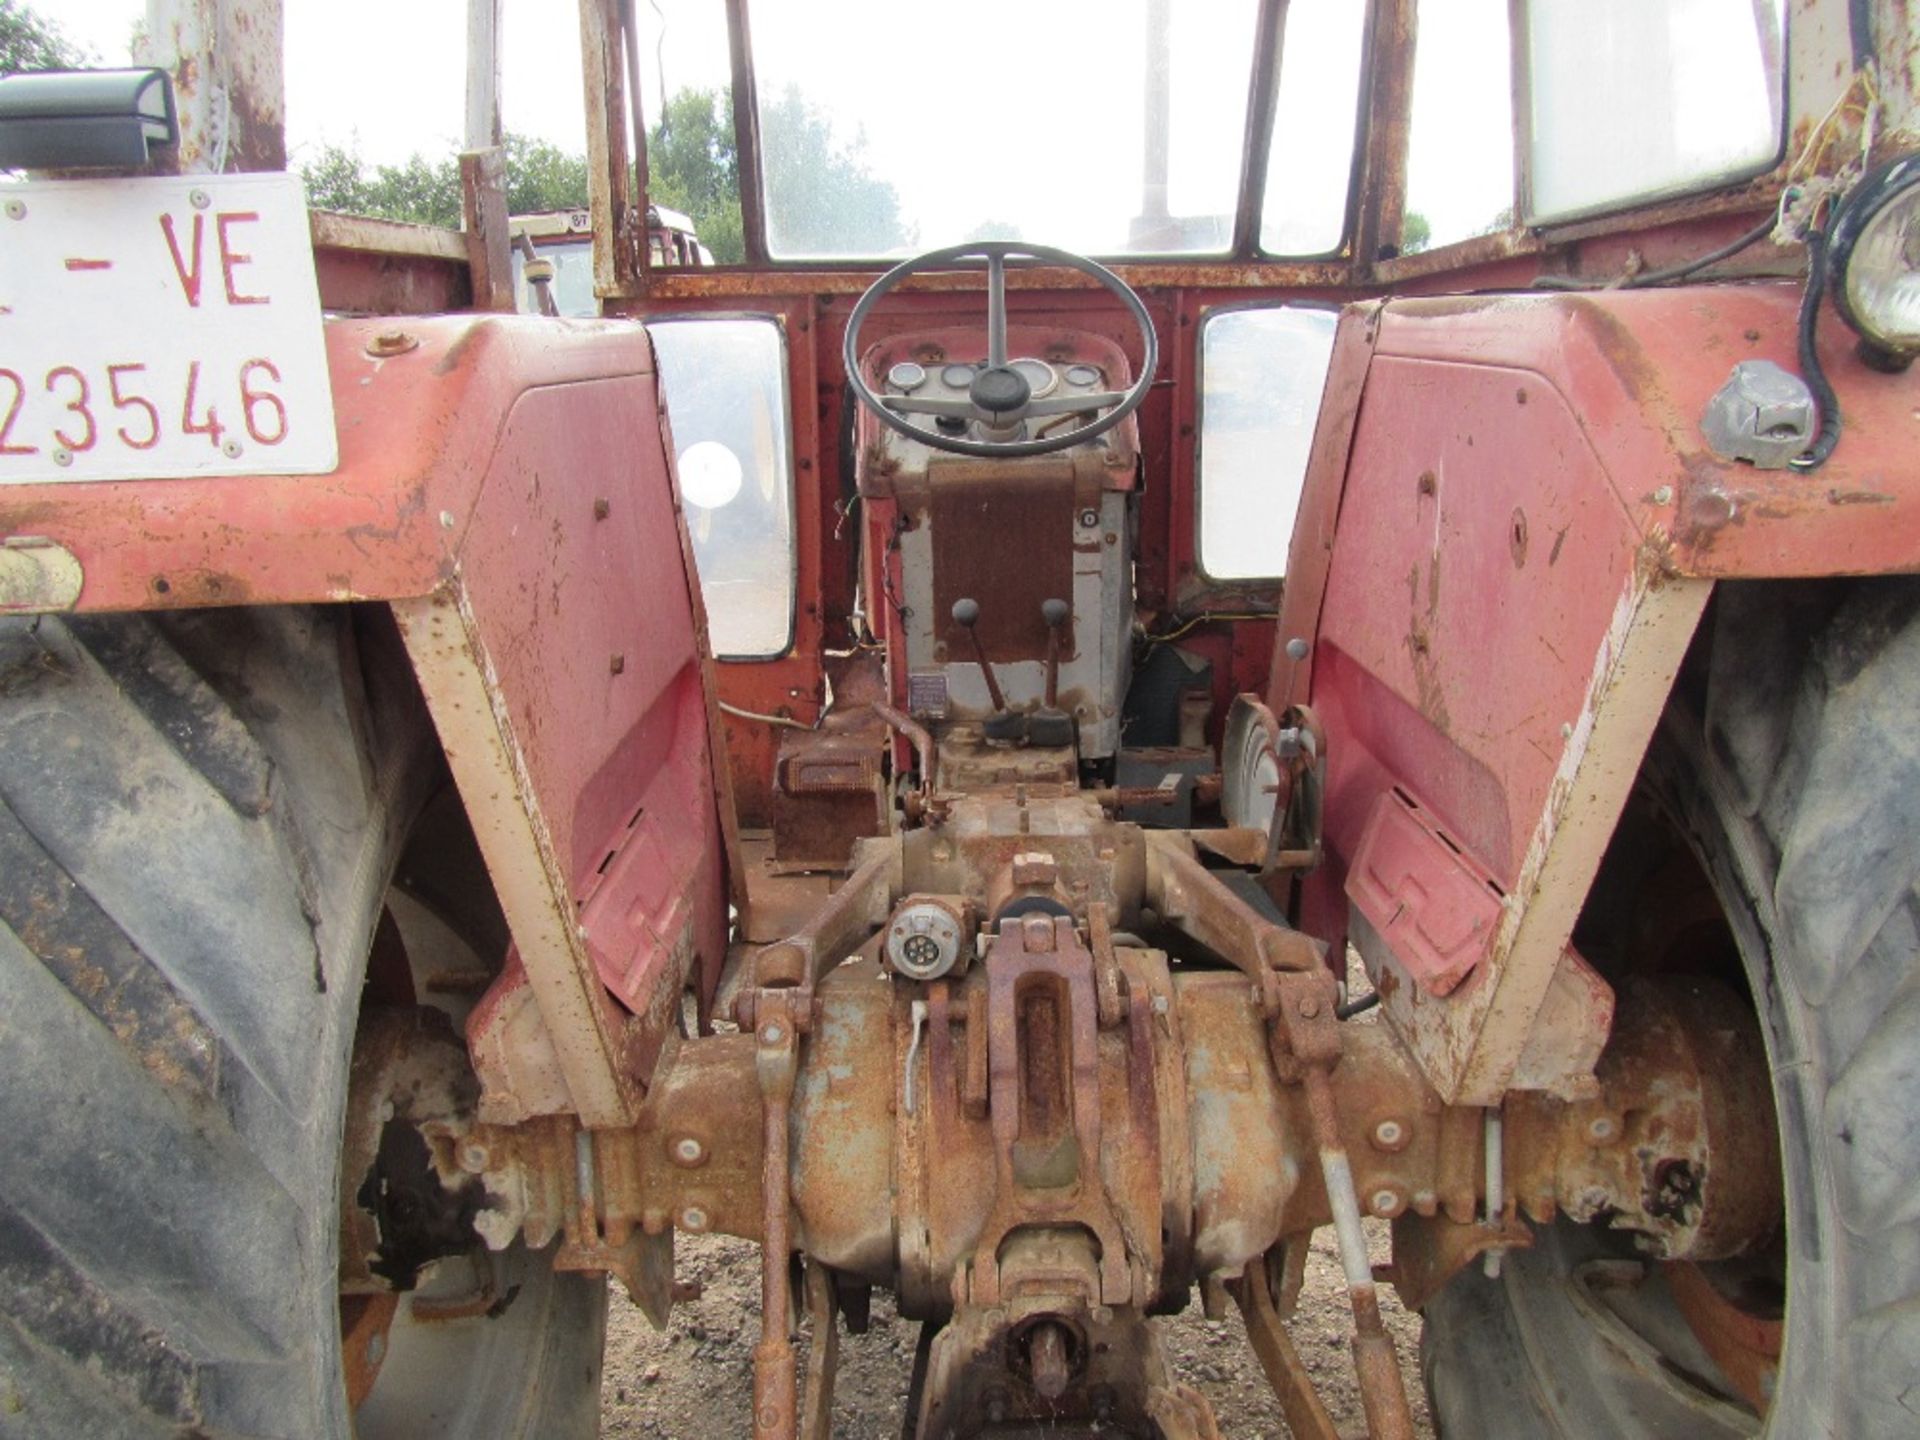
<point x="1261" y="374"/>
<point x="725" y="382"/>
<point x="1637" y="99"/>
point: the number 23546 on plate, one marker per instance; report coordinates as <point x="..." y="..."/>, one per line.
<point x="160" y="327"/>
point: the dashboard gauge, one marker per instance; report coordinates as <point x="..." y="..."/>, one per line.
<point x="1041" y="377"/>
<point x="907" y="376"/>
<point x="1083" y="375"/>
<point x="957" y="377"/>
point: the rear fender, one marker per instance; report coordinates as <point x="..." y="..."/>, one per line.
<point x="1511" y="527"/>
<point x="504" y="486"/>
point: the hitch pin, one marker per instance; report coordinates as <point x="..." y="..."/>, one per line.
<point x="913" y="1049"/>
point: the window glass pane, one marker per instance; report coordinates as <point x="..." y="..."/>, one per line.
<point x="572" y="255"/>
<point x="1261" y="374"/>
<point x="1105" y="126"/>
<point x="1460" y="162"/>
<point x="725" y="383"/>
<point x="686" y="95"/>
<point x="1310" y="163"/>
<point x="1636" y="98"/>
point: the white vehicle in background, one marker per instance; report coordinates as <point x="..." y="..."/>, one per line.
<point x="560" y="245"/>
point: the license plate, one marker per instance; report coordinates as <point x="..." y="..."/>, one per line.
<point x="160" y="327"/>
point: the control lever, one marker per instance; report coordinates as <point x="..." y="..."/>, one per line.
<point x="1003" y="725"/>
<point x="1050" y="725"/>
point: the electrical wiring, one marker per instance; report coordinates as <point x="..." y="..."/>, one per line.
<point x="1192" y="622"/>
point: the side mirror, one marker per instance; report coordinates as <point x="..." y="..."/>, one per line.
<point x="85" y="119"/>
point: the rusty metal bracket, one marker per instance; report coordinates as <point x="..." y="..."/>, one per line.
<point x="1304" y="1036"/>
<point x="1191" y="899"/>
<point x="1040" y="1002"/>
<point x="841" y="925"/>
<point x="823" y="1359"/>
<point x="776" y="1016"/>
<point x="1306" y="1414"/>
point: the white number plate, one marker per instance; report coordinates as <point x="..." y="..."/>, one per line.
<point x="160" y="327"/>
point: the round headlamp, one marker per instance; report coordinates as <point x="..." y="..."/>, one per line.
<point x="1874" y="247"/>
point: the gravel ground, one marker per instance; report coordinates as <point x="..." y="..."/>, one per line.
<point x="696" y="1381"/>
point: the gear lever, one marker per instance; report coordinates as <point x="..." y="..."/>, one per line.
<point x="1003" y="725"/>
<point x="1050" y="725"/>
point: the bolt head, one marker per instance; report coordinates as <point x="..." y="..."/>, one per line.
<point x="772" y="1034"/>
<point x="1309" y="1007"/>
<point x="693" y="1218"/>
<point x="1601" y="1129"/>
<point x="688" y="1151"/>
<point x="62" y="455"/>
<point x="391" y="342"/>
<point x="474" y="1157"/>
<point x="16" y="209"/>
<point x="199" y="199"/>
<point x="1389" y="1135"/>
<point x="1385" y="1202"/>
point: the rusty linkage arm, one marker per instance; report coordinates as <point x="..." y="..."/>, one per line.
<point x="921" y="803"/>
<point x="1297" y="994"/>
<point x="1191" y="898"/>
<point x="1306" y="1413"/>
<point x="776" y="1066"/>
<point x="839" y="927"/>
<point x="1305" y="1039"/>
<point x="778" y="1011"/>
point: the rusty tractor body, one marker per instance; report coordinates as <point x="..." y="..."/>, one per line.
<point x="946" y="945"/>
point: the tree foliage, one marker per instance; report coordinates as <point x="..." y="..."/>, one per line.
<point x="693" y="166"/>
<point x="821" y="197"/>
<point x="540" y="176"/>
<point x="1416" y="233"/>
<point x="30" y="42"/>
<point x="821" y="193"/>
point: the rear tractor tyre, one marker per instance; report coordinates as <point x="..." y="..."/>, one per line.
<point x="1785" y="776"/>
<point x="200" y="817"/>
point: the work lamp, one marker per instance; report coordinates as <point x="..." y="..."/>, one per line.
<point x="1875" y="255"/>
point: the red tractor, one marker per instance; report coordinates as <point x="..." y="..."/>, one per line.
<point x="926" y="766"/>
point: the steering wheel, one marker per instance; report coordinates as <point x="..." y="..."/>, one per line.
<point x="1000" y="401"/>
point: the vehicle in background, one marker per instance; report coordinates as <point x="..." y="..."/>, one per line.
<point x="564" y="239"/>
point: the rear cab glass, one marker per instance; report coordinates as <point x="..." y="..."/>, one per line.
<point x="725" y="382"/>
<point x="1262" y="371"/>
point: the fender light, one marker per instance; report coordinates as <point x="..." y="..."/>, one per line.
<point x="1875" y="249"/>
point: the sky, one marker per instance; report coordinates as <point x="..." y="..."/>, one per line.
<point x="974" y="121"/>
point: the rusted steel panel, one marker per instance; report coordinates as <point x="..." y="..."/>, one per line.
<point x="855" y="277"/>
<point x="1380" y="170"/>
<point x="227" y="61"/>
<point x="616" y="220"/>
<point x="333" y="230"/>
<point x="483" y="202"/>
<point x="386" y="267"/>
